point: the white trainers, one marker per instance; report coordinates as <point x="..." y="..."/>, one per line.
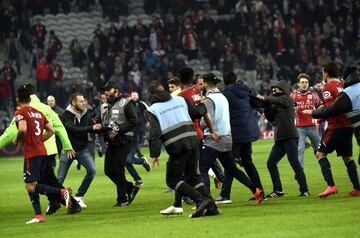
<point x="81" y="202"/>
<point x="172" y="211"/>
<point x="37" y="219"/>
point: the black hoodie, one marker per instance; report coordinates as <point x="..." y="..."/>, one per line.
<point x="156" y="137"/>
<point x="282" y="113"/>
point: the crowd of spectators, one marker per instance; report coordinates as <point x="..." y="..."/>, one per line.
<point x="266" y="39"/>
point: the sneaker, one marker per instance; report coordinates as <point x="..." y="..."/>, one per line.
<point x="275" y="194"/>
<point x="188" y="201"/>
<point x="213" y="210"/>
<point x="132" y="195"/>
<point x="138" y="183"/>
<point x="52" y="208"/>
<point x="74" y="208"/>
<point x="146" y="164"/>
<point x="222" y="200"/>
<point x="259" y="196"/>
<point x="354" y="193"/>
<point x="304" y="194"/>
<point x="328" y="191"/>
<point x="201" y="208"/>
<point x="37" y="219"/>
<point x="121" y="204"/>
<point x="217" y="183"/>
<point x="80" y="201"/>
<point x="66" y="195"/>
<point x="172" y="211"/>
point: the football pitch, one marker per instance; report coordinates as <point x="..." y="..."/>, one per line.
<point x="289" y="216"/>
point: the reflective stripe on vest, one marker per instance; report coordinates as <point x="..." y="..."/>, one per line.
<point x="173" y="115"/>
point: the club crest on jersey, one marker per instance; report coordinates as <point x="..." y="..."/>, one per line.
<point x="19" y="118"/>
<point x="326" y="95"/>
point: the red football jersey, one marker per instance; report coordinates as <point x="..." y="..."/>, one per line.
<point x="307" y="100"/>
<point x="193" y="95"/>
<point x="330" y="92"/>
<point x="33" y="138"/>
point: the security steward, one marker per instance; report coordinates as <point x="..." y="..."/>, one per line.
<point x="118" y="121"/>
<point x="171" y="126"/>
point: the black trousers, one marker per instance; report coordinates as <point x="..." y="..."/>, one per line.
<point x="50" y="179"/>
<point x="243" y="151"/>
<point x="278" y="151"/>
<point x="182" y="164"/>
<point x="114" y="166"/>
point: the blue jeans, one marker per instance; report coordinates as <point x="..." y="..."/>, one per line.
<point x="304" y="132"/>
<point x="87" y="161"/>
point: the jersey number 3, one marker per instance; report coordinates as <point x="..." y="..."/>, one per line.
<point x="38" y="130"/>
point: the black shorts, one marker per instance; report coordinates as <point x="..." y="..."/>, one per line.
<point x="34" y="168"/>
<point x="339" y="139"/>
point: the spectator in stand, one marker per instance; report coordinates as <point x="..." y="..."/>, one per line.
<point x="214" y="55"/>
<point x="39" y="31"/>
<point x="190" y="42"/>
<point x="54" y="46"/>
<point x="42" y="78"/>
<point x="55" y="75"/>
<point x="13" y="49"/>
<point x="5" y="94"/>
<point x="77" y="54"/>
<point x="8" y="74"/>
<point x="250" y="69"/>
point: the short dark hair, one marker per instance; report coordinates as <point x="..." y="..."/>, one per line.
<point x="186" y="75"/>
<point x="211" y="79"/>
<point x="74" y="96"/>
<point x="174" y="80"/>
<point x="30" y="88"/>
<point x="155" y="87"/>
<point x="303" y="75"/>
<point x="332" y="69"/>
<point x="229" y="78"/>
<point x="23" y="95"/>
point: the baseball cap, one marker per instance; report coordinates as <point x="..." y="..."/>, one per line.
<point x="111" y="84"/>
<point x="210" y="77"/>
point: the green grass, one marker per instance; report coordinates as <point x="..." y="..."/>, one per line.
<point x="289" y="216"/>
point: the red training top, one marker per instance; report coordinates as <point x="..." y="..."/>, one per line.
<point x="305" y="100"/>
<point x="193" y="95"/>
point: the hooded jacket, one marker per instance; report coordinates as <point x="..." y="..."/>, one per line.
<point x="281" y="113"/>
<point x="158" y="137"/>
<point x="77" y="126"/>
<point x="244" y="127"/>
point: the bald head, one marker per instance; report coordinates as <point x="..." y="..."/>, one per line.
<point x="51" y="101"/>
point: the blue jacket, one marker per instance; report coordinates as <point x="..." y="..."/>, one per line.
<point x="244" y="126"/>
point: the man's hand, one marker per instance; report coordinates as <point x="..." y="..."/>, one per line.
<point x="154" y="162"/>
<point x="97" y="126"/>
<point x="15" y="141"/>
<point x="261" y="97"/>
<point x="215" y="136"/>
<point x="112" y="134"/>
<point x="307" y="112"/>
<point x="70" y="154"/>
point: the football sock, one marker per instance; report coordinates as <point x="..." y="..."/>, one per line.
<point x="326" y="171"/>
<point x="353" y="175"/>
<point x="45" y="189"/>
<point x="35" y="202"/>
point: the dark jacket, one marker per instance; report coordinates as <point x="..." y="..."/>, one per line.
<point x="244" y="127"/>
<point x="282" y="113"/>
<point x="156" y="137"/>
<point x="77" y="131"/>
<point x="130" y="112"/>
